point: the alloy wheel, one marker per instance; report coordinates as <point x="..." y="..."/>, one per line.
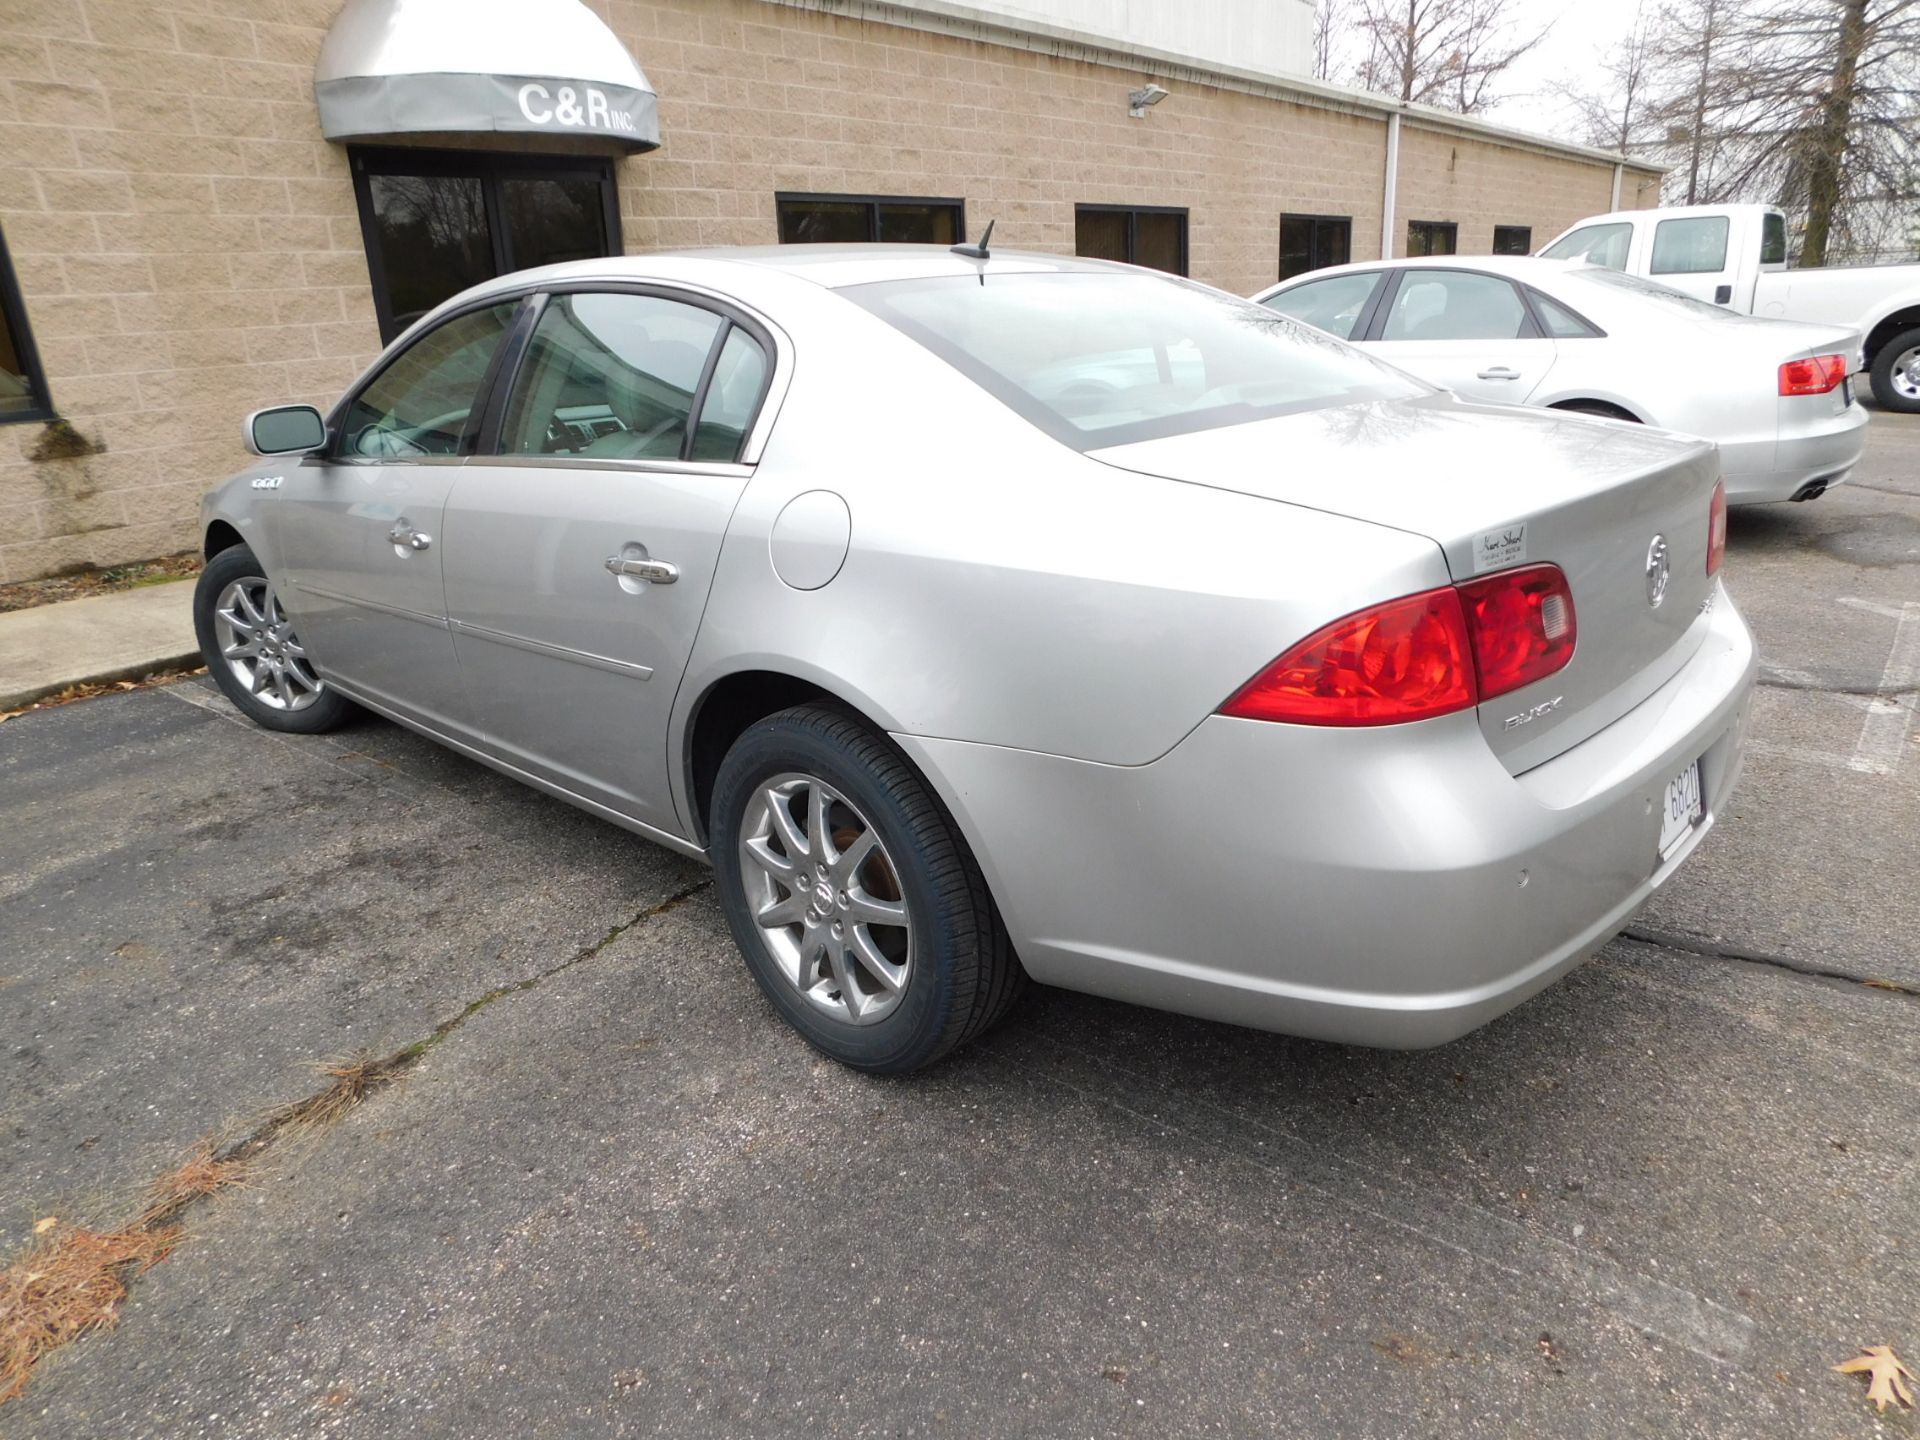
<point x="1906" y="374"/>
<point x="826" y="897"/>
<point x="260" y="648"/>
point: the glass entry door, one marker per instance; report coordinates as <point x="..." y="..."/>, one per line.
<point x="437" y="221"/>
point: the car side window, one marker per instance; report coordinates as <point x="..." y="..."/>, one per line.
<point x="1455" y="305"/>
<point x="1696" y="246"/>
<point x="1604" y="245"/>
<point x="1334" y="304"/>
<point x="421" y="402"/>
<point x="733" y="399"/>
<point x="1560" y="322"/>
<point x="610" y="376"/>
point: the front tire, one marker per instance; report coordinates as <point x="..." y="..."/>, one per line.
<point x="860" y="911"/>
<point x="252" y="651"/>
<point x="1896" y="373"/>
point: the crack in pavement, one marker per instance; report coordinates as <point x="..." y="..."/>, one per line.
<point x="1712" y="949"/>
<point x="1772" y="679"/>
<point x="376" y="1074"/>
<point x="160" y="1227"/>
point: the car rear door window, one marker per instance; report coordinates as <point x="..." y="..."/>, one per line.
<point x="1560" y="322"/>
<point x="423" y="401"/>
<point x="1773" y="239"/>
<point x="1335" y="304"/>
<point x="610" y="376"/>
<point x="1694" y="246"/>
<point x="732" y="400"/>
<point x="1455" y="305"/>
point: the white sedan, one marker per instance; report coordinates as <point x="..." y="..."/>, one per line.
<point x="1776" y="396"/>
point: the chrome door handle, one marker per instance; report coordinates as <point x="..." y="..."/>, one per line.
<point x="1499" y="372"/>
<point x="408" y="536"/>
<point x="656" y="572"/>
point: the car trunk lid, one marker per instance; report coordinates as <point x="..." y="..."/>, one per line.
<point x="1622" y="510"/>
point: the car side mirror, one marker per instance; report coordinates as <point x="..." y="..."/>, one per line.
<point x="285" y="430"/>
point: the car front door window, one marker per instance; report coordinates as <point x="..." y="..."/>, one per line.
<point x="421" y="404"/>
<point x="1334" y="304"/>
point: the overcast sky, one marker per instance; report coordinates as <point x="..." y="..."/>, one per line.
<point x="1580" y="34"/>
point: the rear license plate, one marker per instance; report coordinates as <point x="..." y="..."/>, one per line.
<point x="1683" y="809"/>
<point x="1846" y="395"/>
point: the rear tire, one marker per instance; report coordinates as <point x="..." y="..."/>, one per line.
<point x="865" y="922"/>
<point x="253" y="653"/>
<point x="1896" y="373"/>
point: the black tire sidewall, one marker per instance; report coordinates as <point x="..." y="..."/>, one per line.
<point x="235" y="563"/>
<point x="1883" y="391"/>
<point x="921" y="1026"/>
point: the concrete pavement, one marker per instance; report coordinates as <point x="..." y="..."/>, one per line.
<point x="119" y="636"/>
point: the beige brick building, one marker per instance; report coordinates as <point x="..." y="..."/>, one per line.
<point x="186" y="245"/>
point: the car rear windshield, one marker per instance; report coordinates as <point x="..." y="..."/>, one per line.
<point x="1654" y="290"/>
<point x="1097" y="359"/>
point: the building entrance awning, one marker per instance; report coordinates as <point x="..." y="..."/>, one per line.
<point x="412" y="69"/>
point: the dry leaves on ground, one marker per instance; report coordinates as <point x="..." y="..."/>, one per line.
<point x="1886" y="1376"/>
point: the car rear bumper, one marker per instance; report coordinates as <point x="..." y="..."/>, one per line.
<point x="1392" y="886"/>
<point x="1823" y="454"/>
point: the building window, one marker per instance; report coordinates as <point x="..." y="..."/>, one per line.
<point x="436" y="222"/>
<point x="23" y="386"/>
<point x="1432" y="237"/>
<point x="1150" y="235"/>
<point x="895" y="219"/>
<point x="1513" y="239"/>
<point x="1313" y="242"/>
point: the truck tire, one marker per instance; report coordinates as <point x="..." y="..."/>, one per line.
<point x="1896" y="373"/>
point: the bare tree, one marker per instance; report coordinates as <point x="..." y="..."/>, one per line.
<point x="1811" y="104"/>
<point x="1616" y="113"/>
<point x="1329" y="24"/>
<point x="1448" y="53"/>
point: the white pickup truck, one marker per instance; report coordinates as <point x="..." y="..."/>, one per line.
<point x="1736" y="255"/>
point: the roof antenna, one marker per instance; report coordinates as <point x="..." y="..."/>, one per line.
<point x="975" y="252"/>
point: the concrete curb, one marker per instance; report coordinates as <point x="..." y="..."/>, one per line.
<point x="20" y="699"/>
<point x="95" y="640"/>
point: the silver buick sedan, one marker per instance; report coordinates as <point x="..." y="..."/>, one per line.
<point x="981" y="618"/>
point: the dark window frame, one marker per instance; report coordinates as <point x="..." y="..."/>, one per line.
<point x="872" y="202"/>
<point x="489" y="168"/>
<point x="1313" y="246"/>
<point x="1452" y="227"/>
<point x="1525" y="232"/>
<point x="1132" y="212"/>
<point x="13" y="313"/>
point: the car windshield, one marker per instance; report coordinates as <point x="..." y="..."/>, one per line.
<point x="1654" y="290"/>
<point x="1098" y="359"/>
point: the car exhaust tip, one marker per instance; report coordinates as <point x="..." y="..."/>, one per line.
<point x="1810" y="492"/>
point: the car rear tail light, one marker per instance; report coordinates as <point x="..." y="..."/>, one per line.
<point x="1717" y="527"/>
<point x="1421" y="655"/>
<point x="1522" y="626"/>
<point x="1819" y="376"/>
<point x="1408" y="659"/>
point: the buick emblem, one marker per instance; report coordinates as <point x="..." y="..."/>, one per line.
<point x="1658" y="570"/>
